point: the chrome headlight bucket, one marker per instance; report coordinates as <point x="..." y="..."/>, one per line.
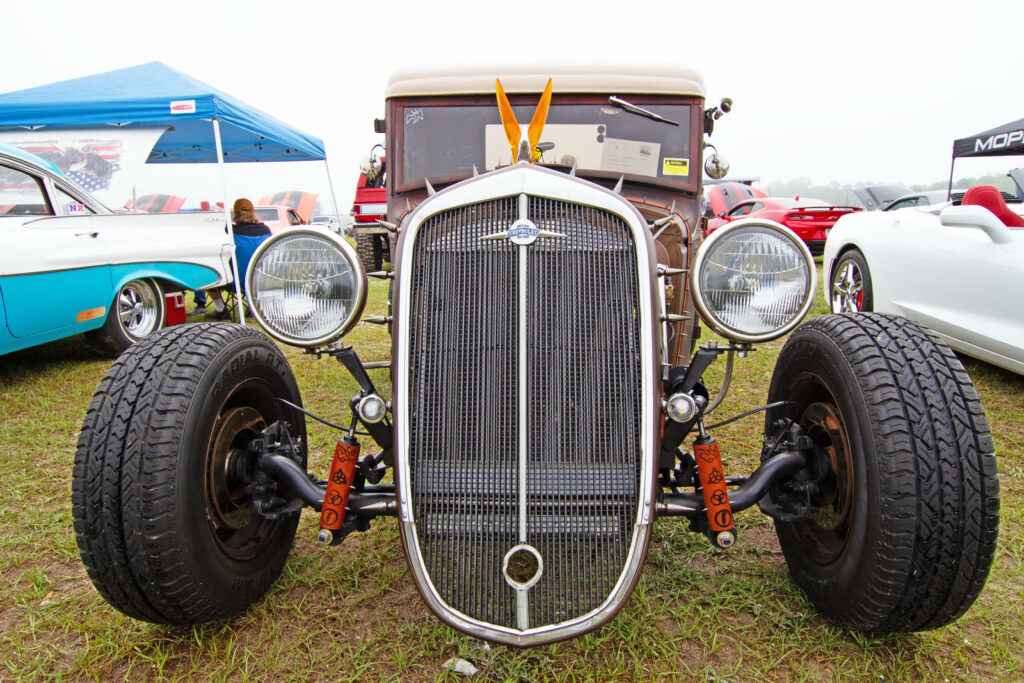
<point x="306" y="287"/>
<point x="755" y="280"/>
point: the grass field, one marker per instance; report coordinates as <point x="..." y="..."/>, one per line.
<point x="351" y="613"/>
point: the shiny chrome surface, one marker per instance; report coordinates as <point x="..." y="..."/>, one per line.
<point x="522" y="387"/>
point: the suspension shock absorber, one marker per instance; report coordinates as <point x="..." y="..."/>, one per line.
<point x="722" y="530"/>
<point x="339" y="485"/>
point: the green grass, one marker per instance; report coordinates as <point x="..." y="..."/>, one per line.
<point x="351" y="612"/>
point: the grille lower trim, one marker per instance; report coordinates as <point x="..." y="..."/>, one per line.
<point x="553" y="516"/>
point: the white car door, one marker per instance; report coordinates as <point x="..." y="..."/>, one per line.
<point x="53" y="274"/>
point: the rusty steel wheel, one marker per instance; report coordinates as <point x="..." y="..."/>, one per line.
<point x="905" y="499"/>
<point x="163" y="518"/>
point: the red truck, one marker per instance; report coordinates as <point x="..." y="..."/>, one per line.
<point x="369" y="206"/>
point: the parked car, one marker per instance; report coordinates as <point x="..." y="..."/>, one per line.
<point x="930" y="197"/>
<point x="810" y="219"/>
<point x="69" y="265"/>
<point x="277" y="217"/>
<point x="326" y="222"/>
<point x="547" y="399"/>
<point x="961" y="282"/>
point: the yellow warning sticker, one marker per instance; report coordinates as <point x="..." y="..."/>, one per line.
<point x="676" y="167"/>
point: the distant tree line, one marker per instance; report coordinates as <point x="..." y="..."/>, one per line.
<point x="843" y="195"/>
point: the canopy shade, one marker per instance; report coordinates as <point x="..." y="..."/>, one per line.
<point x="1006" y="140"/>
<point x="155" y="94"/>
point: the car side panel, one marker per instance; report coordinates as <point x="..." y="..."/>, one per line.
<point x="66" y="301"/>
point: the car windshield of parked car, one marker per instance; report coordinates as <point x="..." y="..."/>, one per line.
<point x="22" y="194"/>
<point x="446" y="141"/>
<point x="266" y="215"/>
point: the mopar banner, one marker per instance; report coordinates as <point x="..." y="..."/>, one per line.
<point x="1002" y="141"/>
<point x="105" y="161"/>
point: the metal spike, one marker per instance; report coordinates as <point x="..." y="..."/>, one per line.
<point x="430" y="188"/>
<point x="381" y="274"/>
<point x="390" y="227"/>
<point x="665" y="271"/>
<point x="662" y="221"/>
<point x="378" y="320"/>
<point x="408" y="206"/>
<point x="475" y="172"/>
<point x="377" y="364"/>
<point x="572" y="171"/>
<point x="618" y="185"/>
<point x="673" y="318"/>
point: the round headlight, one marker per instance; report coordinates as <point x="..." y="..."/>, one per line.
<point x="306" y="287"/>
<point x="755" y="280"/>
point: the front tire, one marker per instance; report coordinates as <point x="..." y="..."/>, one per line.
<point x="138" y="310"/>
<point x="370" y="248"/>
<point x="908" y="501"/>
<point x="851" y="290"/>
<point x="162" y="519"/>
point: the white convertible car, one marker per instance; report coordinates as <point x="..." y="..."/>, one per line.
<point x="68" y="264"/>
<point x="958" y="270"/>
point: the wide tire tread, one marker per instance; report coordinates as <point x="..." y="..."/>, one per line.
<point x="938" y="486"/>
<point x="126" y="456"/>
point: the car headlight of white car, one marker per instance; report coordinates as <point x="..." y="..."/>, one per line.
<point x="306" y="287"/>
<point x="755" y="280"/>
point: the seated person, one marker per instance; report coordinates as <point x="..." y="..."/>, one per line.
<point x="249" y="232"/>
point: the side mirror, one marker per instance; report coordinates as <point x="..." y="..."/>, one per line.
<point x="976" y="217"/>
<point x="715" y="166"/>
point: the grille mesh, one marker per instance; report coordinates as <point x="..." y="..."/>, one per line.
<point x="583" y="417"/>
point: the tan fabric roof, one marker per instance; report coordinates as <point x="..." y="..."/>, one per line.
<point x="470" y="79"/>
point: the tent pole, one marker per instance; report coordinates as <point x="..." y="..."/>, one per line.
<point x="227" y="214"/>
<point x="952" y="163"/>
<point x="334" y="198"/>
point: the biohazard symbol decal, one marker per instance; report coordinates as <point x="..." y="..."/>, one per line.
<point x="723" y="518"/>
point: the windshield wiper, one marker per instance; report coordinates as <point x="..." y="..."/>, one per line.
<point x="633" y="109"/>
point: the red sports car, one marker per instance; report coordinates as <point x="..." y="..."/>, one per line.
<point x="810" y="219"/>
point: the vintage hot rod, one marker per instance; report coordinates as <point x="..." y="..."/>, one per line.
<point x="548" y="401"/>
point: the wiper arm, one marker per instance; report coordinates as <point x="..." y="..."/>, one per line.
<point x="633" y="109"/>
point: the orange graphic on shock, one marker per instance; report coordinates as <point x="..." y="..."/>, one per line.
<point x="712" y="484"/>
<point x="339" y="483"/>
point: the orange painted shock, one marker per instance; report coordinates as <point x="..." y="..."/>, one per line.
<point x="716" y="494"/>
<point x="339" y="484"/>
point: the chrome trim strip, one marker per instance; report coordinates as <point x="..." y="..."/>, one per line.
<point x="522" y="406"/>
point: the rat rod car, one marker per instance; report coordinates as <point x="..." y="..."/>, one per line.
<point x="544" y="308"/>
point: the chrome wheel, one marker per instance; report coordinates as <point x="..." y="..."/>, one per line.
<point x="138" y="308"/>
<point x="847" y="288"/>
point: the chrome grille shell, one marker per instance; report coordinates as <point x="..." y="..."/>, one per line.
<point x="459" y="516"/>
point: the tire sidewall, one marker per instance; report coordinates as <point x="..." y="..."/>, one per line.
<point x="242" y="360"/>
<point x="813" y="357"/>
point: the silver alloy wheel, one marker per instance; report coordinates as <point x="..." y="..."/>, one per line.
<point x="138" y="308"/>
<point x="847" y="287"/>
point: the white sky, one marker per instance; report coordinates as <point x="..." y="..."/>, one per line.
<point x="847" y="92"/>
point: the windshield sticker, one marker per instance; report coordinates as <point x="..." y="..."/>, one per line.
<point x="631" y="157"/>
<point x="413" y="116"/>
<point x="676" y="167"/>
<point x="75" y="207"/>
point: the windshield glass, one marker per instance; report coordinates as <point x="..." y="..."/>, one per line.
<point x="441" y="141"/>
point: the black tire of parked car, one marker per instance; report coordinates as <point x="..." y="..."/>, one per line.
<point x="165" y="531"/>
<point x="137" y="311"/>
<point x="908" y="512"/>
<point x="371" y="251"/>
<point x="851" y="269"/>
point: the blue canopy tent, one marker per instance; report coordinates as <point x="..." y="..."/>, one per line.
<point x="204" y="124"/>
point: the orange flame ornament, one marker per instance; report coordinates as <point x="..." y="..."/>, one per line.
<point x="524" y="148"/>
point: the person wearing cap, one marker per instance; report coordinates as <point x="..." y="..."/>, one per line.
<point x="246" y="226"/>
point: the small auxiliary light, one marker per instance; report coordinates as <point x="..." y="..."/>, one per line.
<point x="371" y="409"/>
<point x="681" y="407"/>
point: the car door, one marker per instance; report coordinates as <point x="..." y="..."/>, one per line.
<point x="54" y="273"/>
<point x="960" y="284"/>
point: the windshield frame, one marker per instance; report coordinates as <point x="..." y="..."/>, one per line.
<point x="396" y="107"/>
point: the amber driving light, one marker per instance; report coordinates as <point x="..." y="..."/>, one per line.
<point x="306" y="287"/>
<point x="755" y="280"/>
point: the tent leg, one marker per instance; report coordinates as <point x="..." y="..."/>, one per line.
<point x="227" y="215"/>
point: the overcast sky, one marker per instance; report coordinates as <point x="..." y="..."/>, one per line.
<point x="847" y="92"/>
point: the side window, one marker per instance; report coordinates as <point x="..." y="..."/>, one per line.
<point x="69" y="204"/>
<point x="22" y="194"/>
<point x="741" y="210"/>
<point x="293" y="218"/>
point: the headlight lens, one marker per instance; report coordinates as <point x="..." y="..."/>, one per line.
<point x="755" y="280"/>
<point x="306" y="287"/>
